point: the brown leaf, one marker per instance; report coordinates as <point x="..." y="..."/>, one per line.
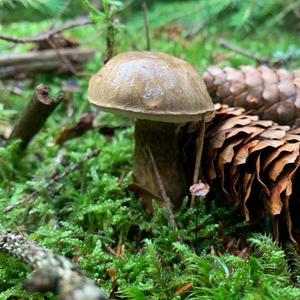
<point x="120" y="251"/>
<point x="183" y="290"/>
<point x="85" y="124"/>
<point x="112" y="273"/>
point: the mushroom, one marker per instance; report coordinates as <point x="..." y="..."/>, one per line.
<point x="163" y="93"/>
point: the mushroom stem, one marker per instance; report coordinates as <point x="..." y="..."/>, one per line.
<point x="199" y="143"/>
<point x="167" y="202"/>
<point x="164" y="140"/>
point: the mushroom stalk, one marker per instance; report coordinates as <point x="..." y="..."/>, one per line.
<point x="164" y="140"/>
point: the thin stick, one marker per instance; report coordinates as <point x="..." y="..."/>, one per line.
<point x="146" y="24"/>
<point x="167" y="202"/>
<point x="46" y="35"/>
<point x="35" y="115"/>
<point x="200" y="142"/>
<point x="63" y="58"/>
<point x="110" y="249"/>
<point x="52" y="272"/>
<point x="261" y="60"/>
<point x="52" y="181"/>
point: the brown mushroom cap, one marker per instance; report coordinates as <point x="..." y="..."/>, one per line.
<point x="151" y="85"/>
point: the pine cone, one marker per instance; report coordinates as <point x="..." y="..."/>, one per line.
<point x="271" y="94"/>
<point x="257" y="162"/>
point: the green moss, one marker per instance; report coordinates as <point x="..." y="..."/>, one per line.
<point x="93" y="208"/>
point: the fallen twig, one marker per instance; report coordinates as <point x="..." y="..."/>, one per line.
<point x="261" y="60"/>
<point x="34" y="115"/>
<point x="51" y="272"/>
<point x="167" y="201"/>
<point x="52" y="181"/>
<point x="48" y="34"/>
<point x="146" y="24"/>
<point x="14" y="65"/>
<point x="110" y="249"/>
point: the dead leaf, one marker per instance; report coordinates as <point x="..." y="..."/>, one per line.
<point x="112" y="273"/>
<point x="85" y="124"/>
<point x="120" y="251"/>
<point x="183" y="290"/>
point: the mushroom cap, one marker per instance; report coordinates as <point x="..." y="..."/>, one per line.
<point x="151" y="85"/>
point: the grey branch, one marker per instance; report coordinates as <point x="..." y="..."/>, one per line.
<point x="51" y="272"/>
<point x="46" y="35"/>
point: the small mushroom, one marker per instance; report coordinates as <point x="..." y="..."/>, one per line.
<point x="163" y="93"/>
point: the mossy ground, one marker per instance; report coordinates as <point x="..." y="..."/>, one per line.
<point x="92" y="208"/>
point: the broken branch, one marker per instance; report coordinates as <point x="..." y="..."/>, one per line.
<point x="34" y="115"/>
<point x="52" y="181"/>
<point x="52" y="272"/>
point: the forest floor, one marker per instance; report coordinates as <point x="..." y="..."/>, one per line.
<point x="93" y="218"/>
